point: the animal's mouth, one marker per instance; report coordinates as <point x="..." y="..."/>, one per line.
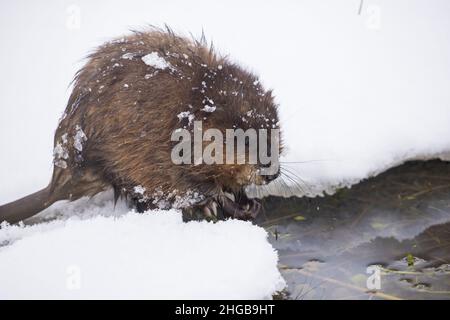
<point x="224" y="204"/>
<point x="238" y="205"/>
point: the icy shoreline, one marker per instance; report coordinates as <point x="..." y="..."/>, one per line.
<point x="313" y="186"/>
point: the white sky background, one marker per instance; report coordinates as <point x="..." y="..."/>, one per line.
<point x="358" y="92"/>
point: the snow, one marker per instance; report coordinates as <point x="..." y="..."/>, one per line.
<point x="186" y="114"/>
<point x="150" y="75"/>
<point x="79" y="138"/>
<point x="208" y="108"/>
<point x="137" y="256"/>
<point x="128" y="56"/>
<point x="155" y="61"/>
<point x="139" y="190"/>
<point x="60" y="152"/>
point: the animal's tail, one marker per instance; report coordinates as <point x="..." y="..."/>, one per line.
<point x="26" y="207"/>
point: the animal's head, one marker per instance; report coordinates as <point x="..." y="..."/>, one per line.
<point x="236" y="127"/>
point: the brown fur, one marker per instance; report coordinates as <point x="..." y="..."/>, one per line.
<point x="128" y="119"/>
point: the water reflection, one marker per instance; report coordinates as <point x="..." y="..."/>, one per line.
<point x="398" y="221"/>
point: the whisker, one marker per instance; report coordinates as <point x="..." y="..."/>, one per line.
<point x="291" y="175"/>
<point x="295" y="183"/>
<point x="308" y="161"/>
<point x="289" y="188"/>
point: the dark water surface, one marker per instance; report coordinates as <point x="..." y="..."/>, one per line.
<point x="398" y="221"/>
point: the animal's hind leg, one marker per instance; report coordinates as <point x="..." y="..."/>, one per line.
<point x="64" y="185"/>
<point x="85" y="182"/>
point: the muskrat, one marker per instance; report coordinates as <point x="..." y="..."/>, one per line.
<point x="130" y="96"/>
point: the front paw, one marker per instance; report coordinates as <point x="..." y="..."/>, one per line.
<point x="208" y="210"/>
<point x="246" y="209"/>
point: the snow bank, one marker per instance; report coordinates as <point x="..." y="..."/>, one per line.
<point x="137" y="256"/>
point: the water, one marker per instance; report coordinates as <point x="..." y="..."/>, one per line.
<point x="398" y="221"/>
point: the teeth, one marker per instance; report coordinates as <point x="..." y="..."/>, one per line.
<point x="207" y="212"/>
<point x="230" y="196"/>
<point x="214" y="208"/>
<point x="246" y="207"/>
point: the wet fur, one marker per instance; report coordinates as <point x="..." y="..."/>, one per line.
<point x="128" y="119"/>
